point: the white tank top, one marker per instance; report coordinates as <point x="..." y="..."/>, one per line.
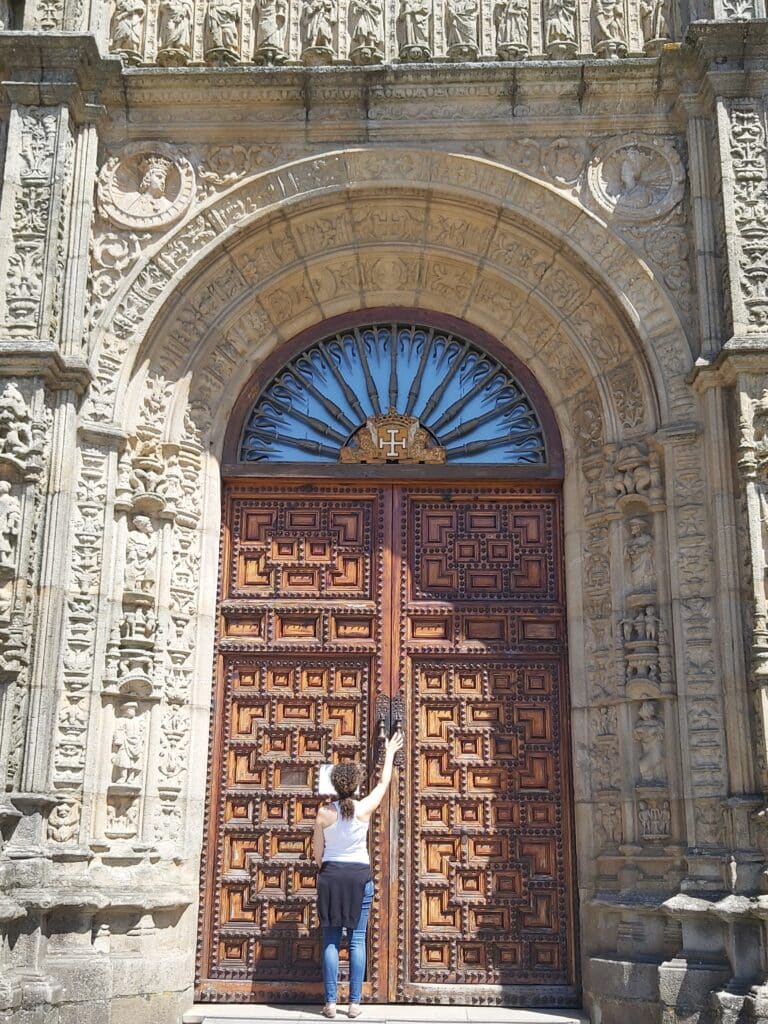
<point x="346" y="840"/>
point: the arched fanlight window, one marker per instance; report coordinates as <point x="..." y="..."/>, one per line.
<point x="393" y="393"/>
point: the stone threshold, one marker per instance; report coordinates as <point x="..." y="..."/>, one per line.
<point x="205" y="1013"/>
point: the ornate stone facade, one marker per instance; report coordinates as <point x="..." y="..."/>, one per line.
<point x="171" y="214"/>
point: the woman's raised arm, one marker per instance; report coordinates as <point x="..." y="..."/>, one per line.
<point x="368" y="804"/>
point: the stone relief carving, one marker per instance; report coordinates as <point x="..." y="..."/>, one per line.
<point x="414" y="30"/>
<point x="174" y="32"/>
<point x="127" y="34"/>
<point x="639" y="550"/>
<point x="10" y="521"/>
<point x="271" y="21"/>
<point x="749" y="155"/>
<point x="655" y="819"/>
<point x="147" y="187"/>
<point x="512" y="18"/>
<point x="179" y="32"/>
<point x="649" y="734"/>
<point x="365" y="32"/>
<point x="637" y="178"/>
<point x="127" y="745"/>
<point x="608" y="28"/>
<point x="20" y="448"/>
<point x="222" y="32"/>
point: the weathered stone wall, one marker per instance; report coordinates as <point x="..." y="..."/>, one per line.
<point x="165" y="230"/>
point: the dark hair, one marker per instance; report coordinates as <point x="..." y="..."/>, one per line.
<point x="346" y="778"/>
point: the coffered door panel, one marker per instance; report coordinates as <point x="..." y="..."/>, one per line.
<point x="300" y="670"/>
<point x="484" y="818"/>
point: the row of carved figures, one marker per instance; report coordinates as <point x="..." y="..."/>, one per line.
<point x="174" y="27"/>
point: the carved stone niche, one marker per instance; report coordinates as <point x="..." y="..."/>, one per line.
<point x="127" y="760"/>
<point x="648" y="733"/>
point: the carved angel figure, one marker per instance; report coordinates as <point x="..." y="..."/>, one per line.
<point x="128" y="744"/>
<point x="270" y="29"/>
<point x="128" y="26"/>
<point x="560" y="17"/>
<point x="461" y="22"/>
<point x="222" y="26"/>
<point x="10" y="520"/>
<point x="318" y="19"/>
<point x="511" y="19"/>
<point x="365" y="23"/>
<point x="414" y="15"/>
<point x="175" y="26"/>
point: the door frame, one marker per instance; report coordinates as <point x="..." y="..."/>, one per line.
<point x="395" y="477"/>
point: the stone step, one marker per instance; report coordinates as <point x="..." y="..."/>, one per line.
<point x="380" y="1014"/>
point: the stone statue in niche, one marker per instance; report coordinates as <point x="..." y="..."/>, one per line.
<point x="649" y="733"/>
<point x="174" y="32"/>
<point x="222" y="31"/>
<point x="461" y="29"/>
<point x="414" y="21"/>
<point x="270" y="17"/>
<point x="640" y="555"/>
<point x="318" y="18"/>
<point x="559" y="29"/>
<point x="127" y="745"/>
<point x="365" y="31"/>
<point x="609" y="30"/>
<point x="128" y="29"/>
<point x="139" y="556"/>
<point x="511" y="18"/>
<point x="10" y="521"/>
<point x="654" y="25"/>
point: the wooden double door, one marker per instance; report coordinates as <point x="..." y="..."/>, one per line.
<point x="342" y="610"/>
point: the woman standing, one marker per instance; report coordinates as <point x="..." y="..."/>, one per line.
<point x="344" y="884"/>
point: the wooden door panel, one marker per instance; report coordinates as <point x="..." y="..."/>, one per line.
<point x="298" y="675"/>
<point x="486" y="831"/>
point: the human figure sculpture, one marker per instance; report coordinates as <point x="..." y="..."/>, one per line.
<point x="127" y="745"/>
<point x="649" y="733"/>
<point x="461" y="17"/>
<point x="639" y="551"/>
<point x="365" y="24"/>
<point x="175" y="27"/>
<point x="318" y="20"/>
<point x="560" y="32"/>
<point x="140" y="553"/>
<point x="511" y="18"/>
<point x="222" y="27"/>
<point x="128" y="27"/>
<point x="16" y="438"/>
<point x="608" y="16"/>
<point x="414" y="15"/>
<point x="10" y="520"/>
<point x="270" y="28"/>
<point x="653" y="20"/>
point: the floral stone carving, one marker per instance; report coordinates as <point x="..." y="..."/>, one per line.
<point x="148" y="187"/>
<point x="637" y="178"/>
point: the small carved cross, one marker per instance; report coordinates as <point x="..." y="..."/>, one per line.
<point x="392" y="443"/>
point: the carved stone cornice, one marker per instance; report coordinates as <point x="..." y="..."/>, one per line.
<point x="739" y="356"/>
<point x="43" y="359"/>
<point x="53" y="69"/>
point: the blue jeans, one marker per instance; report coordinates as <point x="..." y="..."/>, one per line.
<point x="331" y="943"/>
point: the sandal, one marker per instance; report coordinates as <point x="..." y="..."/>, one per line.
<point x="354" y="1010"/>
<point x="329" y="1010"/>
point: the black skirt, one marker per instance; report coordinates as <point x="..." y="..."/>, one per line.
<point x="340" y="891"/>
